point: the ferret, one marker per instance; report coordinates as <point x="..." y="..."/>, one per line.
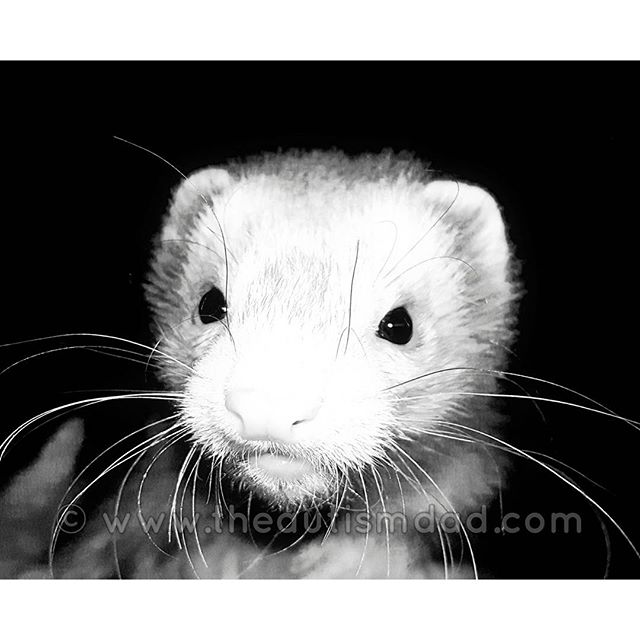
<point x="331" y="333"/>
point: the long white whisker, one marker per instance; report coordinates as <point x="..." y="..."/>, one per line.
<point x="95" y="348"/>
<point x="83" y="404"/>
<point x="262" y="555"/>
<point x="420" y="490"/>
<point x="444" y="553"/>
<point x="175" y="440"/>
<point x="353" y="277"/>
<point x="564" y="403"/>
<point x="193" y="509"/>
<point x="366" y="535"/>
<point x="378" y="482"/>
<point x="606" y="411"/>
<point x="181" y="511"/>
<point x="97" y="335"/>
<point x="207" y="205"/>
<point x="174" y="501"/>
<point x="456" y="436"/>
<point x="585" y="495"/>
<point x="116" y="509"/>
<point x="132" y="453"/>
<point x="115" y="444"/>
<point x="337" y="507"/>
<point x="457" y="516"/>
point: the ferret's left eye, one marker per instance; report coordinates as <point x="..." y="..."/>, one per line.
<point x="396" y="326"/>
<point x="213" y="306"/>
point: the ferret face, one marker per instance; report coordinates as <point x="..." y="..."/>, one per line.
<point x="295" y="296"/>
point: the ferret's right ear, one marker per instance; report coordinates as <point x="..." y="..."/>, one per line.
<point x="197" y="190"/>
<point x="191" y="198"/>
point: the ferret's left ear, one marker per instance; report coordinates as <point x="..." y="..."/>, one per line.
<point x="474" y="217"/>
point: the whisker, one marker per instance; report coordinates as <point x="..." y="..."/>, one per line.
<point x="366" y="535"/>
<point x="393" y="246"/>
<point x="420" y="490"/>
<point x="193" y="509"/>
<point x="82" y="404"/>
<point x="143" y="479"/>
<point x="132" y="453"/>
<point x="470" y="440"/>
<point x="426" y="233"/>
<point x="606" y="411"/>
<point x="386" y="522"/>
<point x="457" y="516"/>
<point x="173" y="328"/>
<point x="340" y="342"/>
<point x="444" y="553"/>
<point x="174" y="502"/>
<point x="353" y="277"/>
<point x="114" y="539"/>
<point x="220" y="489"/>
<point x="89" y="347"/>
<point x="337" y="507"/>
<point x="391" y="464"/>
<point x="564" y="403"/>
<point x="263" y="555"/>
<point x="207" y="205"/>
<point x="558" y="475"/>
<point x="464" y="262"/>
<point x="193" y="242"/>
<point x="60" y="336"/>
<point x="181" y="510"/>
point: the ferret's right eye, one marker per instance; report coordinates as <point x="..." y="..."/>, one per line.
<point x="213" y="306"/>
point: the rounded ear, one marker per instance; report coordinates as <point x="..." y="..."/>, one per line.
<point x="474" y="217"/>
<point x="198" y="188"/>
<point x="192" y="197"/>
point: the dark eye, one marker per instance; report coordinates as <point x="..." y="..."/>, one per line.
<point x="396" y="326"/>
<point x="213" y="306"/>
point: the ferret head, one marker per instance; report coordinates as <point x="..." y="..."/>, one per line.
<point x="298" y="295"/>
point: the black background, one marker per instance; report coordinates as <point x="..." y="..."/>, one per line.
<point x="556" y="143"/>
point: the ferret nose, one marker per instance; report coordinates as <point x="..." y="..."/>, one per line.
<point x="264" y="416"/>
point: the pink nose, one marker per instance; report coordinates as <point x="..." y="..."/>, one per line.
<point x="264" y="416"/>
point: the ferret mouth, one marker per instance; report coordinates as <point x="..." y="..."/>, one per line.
<point x="280" y="476"/>
<point x="274" y="463"/>
<point x="271" y="451"/>
<point x="281" y="467"/>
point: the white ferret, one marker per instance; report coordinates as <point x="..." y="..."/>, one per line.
<point x="330" y="331"/>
